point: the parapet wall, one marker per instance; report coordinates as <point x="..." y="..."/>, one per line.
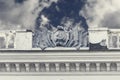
<point x="97" y="39"/>
<point x="15" y="40"/>
<point x="104" y="38"/>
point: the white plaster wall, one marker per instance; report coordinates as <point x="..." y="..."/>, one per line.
<point x="23" y="41"/>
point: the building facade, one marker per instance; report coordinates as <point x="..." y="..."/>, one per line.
<point x="93" y="39"/>
<point x="19" y="57"/>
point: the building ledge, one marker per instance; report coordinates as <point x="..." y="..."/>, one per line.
<point x="62" y="74"/>
<point x="82" y="63"/>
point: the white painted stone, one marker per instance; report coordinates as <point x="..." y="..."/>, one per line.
<point x="96" y="35"/>
<point x="23" y="40"/>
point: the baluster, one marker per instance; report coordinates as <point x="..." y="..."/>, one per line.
<point x="108" y="67"/>
<point x="37" y="67"/>
<point x="47" y="67"/>
<point x="98" y="67"/>
<point x="57" y="67"/>
<point x="77" y="67"/>
<point x="87" y="67"/>
<point x="118" y="66"/>
<point x="17" y="67"/>
<point x="7" y="67"/>
<point x="67" y="67"/>
<point x="27" y="67"/>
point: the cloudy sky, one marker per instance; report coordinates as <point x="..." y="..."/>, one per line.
<point x="20" y="12"/>
<point x="29" y="14"/>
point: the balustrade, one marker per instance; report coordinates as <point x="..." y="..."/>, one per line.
<point x="60" y="67"/>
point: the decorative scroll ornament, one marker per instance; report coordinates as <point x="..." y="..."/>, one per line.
<point x="60" y="37"/>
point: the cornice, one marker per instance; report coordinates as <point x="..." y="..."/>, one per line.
<point x="104" y="63"/>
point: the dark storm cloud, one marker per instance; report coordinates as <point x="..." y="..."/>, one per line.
<point x="19" y="1"/>
<point x="64" y="9"/>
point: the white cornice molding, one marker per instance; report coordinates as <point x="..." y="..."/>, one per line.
<point x="57" y="58"/>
